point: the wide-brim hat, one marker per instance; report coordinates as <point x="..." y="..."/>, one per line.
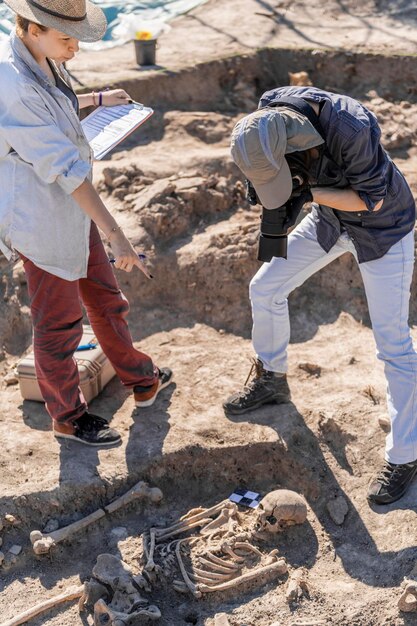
<point x="80" y="19"/>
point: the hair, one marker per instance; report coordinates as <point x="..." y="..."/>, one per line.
<point x="22" y="25"/>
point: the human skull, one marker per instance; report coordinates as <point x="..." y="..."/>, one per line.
<point x="279" y="509"/>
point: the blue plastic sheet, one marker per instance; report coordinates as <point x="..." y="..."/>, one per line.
<point x="155" y="10"/>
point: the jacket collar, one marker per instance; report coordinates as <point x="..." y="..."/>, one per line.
<point x="25" y="57"/>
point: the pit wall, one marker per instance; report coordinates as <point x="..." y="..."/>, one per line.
<point x="225" y="79"/>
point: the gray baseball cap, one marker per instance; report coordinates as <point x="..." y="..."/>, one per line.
<point x="259" y="144"/>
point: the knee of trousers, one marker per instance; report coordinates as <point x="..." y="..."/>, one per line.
<point x="273" y="294"/>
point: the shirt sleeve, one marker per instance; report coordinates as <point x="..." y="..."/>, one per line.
<point x="32" y="132"/>
<point x="365" y="165"/>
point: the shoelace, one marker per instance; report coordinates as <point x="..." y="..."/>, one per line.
<point x="388" y="472"/>
<point x="257" y="371"/>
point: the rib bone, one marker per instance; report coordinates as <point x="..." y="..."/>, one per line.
<point x="195" y="590"/>
<point x="279" y="567"/>
<point x="42" y="543"/>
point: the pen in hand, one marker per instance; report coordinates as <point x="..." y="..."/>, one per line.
<point x="141" y="256"/>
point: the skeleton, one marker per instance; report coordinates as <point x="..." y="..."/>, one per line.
<point x="280" y="509"/>
<point x="43" y="542"/>
<point x="220" y="550"/>
<point x="205" y="551"/>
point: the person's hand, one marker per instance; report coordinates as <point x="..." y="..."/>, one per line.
<point x="124" y="254"/>
<point x="115" y="96"/>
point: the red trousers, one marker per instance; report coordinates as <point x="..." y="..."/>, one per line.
<point x="57" y="330"/>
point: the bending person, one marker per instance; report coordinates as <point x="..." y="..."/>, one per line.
<point x="329" y="146"/>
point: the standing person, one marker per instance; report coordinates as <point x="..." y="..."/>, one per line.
<point x="50" y="211"/>
<point x="328" y="145"/>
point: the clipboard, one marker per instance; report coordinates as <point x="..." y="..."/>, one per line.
<point x="106" y="127"/>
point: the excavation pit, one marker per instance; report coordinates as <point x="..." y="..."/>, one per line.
<point x="181" y="200"/>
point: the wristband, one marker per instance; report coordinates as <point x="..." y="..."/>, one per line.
<point x="100" y="99"/>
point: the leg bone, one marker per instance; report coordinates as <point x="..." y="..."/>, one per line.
<point x="42" y="607"/>
<point x="42" y="543"/>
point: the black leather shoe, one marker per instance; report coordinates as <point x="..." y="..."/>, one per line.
<point x="392" y="482"/>
<point x="264" y="388"/>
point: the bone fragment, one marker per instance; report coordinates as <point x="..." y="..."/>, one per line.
<point x="195" y="590"/>
<point x="115" y="618"/>
<point x="180" y="586"/>
<point x="215" y="567"/>
<point x="297" y="585"/>
<point x="220" y="561"/>
<point x="243" y="545"/>
<point x="223" y="518"/>
<point x="42" y="542"/>
<point x="205" y="514"/>
<point x="181" y="529"/>
<point x="193" y="512"/>
<point x="406" y="605"/>
<point x="42" y="607"/>
<point x="93" y="591"/>
<point x="211" y="576"/>
<point x="150" y="564"/>
<point x="279" y="567"/>
<point x="227" y="549"/>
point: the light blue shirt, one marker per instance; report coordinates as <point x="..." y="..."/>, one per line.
<point x="44" y="157"/>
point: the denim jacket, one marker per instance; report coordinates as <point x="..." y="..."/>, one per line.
<point x="44" y="157"/>
<point x="355" y="159"/>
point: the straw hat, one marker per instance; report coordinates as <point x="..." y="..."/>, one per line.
<point x="76" y="18"/>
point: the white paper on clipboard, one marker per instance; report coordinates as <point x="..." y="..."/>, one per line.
<point x="105" y="127"/>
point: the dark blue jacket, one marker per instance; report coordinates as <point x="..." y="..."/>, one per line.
<point x="357" y="160"/>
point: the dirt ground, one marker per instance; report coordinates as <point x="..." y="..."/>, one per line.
<point x="175" y="191"/>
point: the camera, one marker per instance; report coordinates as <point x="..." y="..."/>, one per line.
<point x="276" y="222"/>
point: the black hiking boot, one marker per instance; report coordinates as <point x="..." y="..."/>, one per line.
<point x="89" y="429"/>
<point x="264" y="388"/>
<point x="392" y="482"/>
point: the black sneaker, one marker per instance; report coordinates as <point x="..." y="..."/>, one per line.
<point x="89" y="429"/>
<point x="264" y="388"/>
<point x="392" y="482"/>
<point x="146" y="396"/>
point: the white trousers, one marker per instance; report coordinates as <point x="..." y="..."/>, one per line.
<point x="387" y="285"/>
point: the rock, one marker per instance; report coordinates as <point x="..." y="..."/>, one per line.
<point x="1" y="557"/>
<point x="11" y="520"/>
<point x="221" y="619"/>
<point x="11" y="378"/>
<point x="50" y="526"/>
<point x="311" y="368"/>
<point x="338" y="509"/>
<point x="15" y="549"/>
<point x="119" y="181"/>
<point x="385" y="423"/>
<point x="120" y="532"/>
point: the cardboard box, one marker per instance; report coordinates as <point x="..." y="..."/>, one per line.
<point x="94" y="368"/>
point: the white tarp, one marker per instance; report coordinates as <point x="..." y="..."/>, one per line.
<point x="124" y="18"/>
